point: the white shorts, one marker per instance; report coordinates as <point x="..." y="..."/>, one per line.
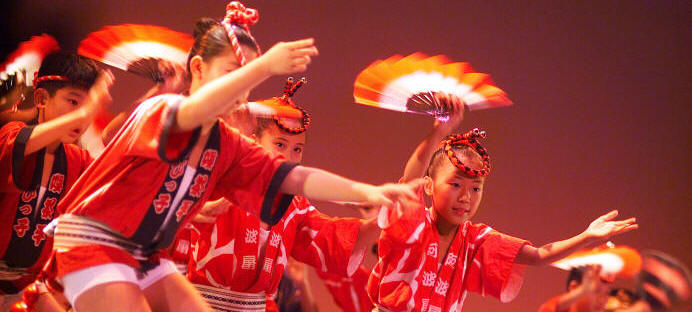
<point x="76" y="283"/>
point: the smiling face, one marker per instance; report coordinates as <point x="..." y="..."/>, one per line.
<point x="64" y="100"/>
<point x="277" y="141"/>
<point x="455" y="196"/>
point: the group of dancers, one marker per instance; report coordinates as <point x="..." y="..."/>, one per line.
<point x="197" y="204"/>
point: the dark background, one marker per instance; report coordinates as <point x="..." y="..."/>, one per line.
<point x="602" y="92"/>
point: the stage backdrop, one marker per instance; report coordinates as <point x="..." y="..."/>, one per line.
<point x="601" y="90"/>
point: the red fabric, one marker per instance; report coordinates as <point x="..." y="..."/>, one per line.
<point x="551" y="305"/>
<point x="230" y="253"/>
<point x="77" y="161"/>
<point x="408" y="277"/>
<point x="120" y="186"/>
<point x="349" y="293"/>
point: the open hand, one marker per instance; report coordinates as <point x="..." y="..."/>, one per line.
<point x="99" y="96"/>
<point x="174" y="77"/>
<point x="604" y="227"/>
<point x="212" y="209"/>
<point x="389" y="194"/>
<point x="289" y="57"/>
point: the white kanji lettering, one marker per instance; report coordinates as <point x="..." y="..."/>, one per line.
<point x="434" y="309"/>
<point x="268" y="265"/>
<point x="451" y="260"/>
<point x="428" y="278"/>
<point x="275" y="240"/>
<point x="249" y="263"/>
<point x="432" y="250"/>
<point x="251" y="236"/>
<point x="441" y="288"/>
<point x="424" y="306"/>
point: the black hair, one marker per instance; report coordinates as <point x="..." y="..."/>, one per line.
<point x="575" y="274"/>
<point x="211" y="39"/>
<point x="439" y="157"/>
<point x="80" y="71"/>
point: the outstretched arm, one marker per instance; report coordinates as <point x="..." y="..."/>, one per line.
<point x="418" y="162"/>
<point x="600" y="229"/>
<point x="218" y="96"/>
<point x="318" y="184"/>
<point x="53" y="130"/>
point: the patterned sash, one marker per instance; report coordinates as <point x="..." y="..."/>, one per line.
<point x="225" y="300"/>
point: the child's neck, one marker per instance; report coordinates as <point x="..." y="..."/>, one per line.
<point x="444" y="228"/>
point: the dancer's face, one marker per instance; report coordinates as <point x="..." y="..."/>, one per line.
<point x="278" y="141"/>
<point x="64" y="101"/>
<point x="455" y="196"/>
<point x="205" y="71"/>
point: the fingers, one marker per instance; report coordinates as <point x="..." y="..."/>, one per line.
<point x="300" y="44"/>
<point x="609" y="216"/>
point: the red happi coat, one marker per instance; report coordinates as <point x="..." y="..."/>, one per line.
<point x="349" y="293"/>
<point x="23" y="245"/>
<point x="408" y="276"/>
<point x="237" y="254"/>
<point x="131" y="186"/>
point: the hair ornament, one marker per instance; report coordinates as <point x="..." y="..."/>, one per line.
<point x="289" y="90"/>
<point x="469" y="139"/>
<point x="238" y="15"/>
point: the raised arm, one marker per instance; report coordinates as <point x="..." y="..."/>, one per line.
<point x="218" y="96"/>
<point x="599" y="230"/>
<point x="51" y="131"/>
<point x="418" y="162"/>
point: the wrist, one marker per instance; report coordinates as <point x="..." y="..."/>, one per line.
<point x="263" y="66"/>
<point x="362" y="191"/>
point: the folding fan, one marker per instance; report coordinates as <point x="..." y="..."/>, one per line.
<point x="137" y="48"/>
<point x="409" y="84"/>
<point x="620" y="261"/>
<point x="27" y="58"/>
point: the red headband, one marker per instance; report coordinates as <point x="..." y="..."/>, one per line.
<point x="289" y="90"/>
<point x="38" y="79"/>
<point x="469" y="139"/>
<point x="238" y="14"/>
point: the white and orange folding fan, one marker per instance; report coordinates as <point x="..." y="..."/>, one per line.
<point x="26" y="60"/>
<point x="137" y="48"/>
<point x="619" y="261"/>
<point x="409" y="84"/>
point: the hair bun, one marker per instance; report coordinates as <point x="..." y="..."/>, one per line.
<point x="203" y="25"/>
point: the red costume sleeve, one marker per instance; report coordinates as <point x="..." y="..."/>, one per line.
<point x="151" y="130"/>
<point x="253" y="178"/>
<point x="327" y="243"/>
<point x="493" y="271"/>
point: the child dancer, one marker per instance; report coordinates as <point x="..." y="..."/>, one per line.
<point x="173" y="154"/>
<point x="431" y="258"/>
<point x="40" y="163"/>
<point x="238" y="262"/>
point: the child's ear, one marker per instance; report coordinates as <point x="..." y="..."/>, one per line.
<point x="428" y="185"/>
<point x="196" y="67"/>
<point x="41" y="97"/>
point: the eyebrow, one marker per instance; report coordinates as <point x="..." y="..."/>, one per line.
<point x="280" y="138"/>
<point x="75" y="94"/>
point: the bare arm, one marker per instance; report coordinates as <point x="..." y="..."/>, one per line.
<point x="53" y="130"/>
<point x="418" y="162"/>
<point x="318" y="184"/>
<point x="590" y="284"/>
<point x="600" y="229"/>
<point x="218" y="96"/>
